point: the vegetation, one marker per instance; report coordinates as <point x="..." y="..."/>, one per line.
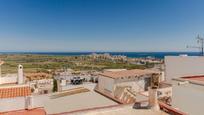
<point x="54" y="85"/>
<point x="46" y="63"/>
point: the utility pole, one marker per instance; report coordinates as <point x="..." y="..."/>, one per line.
<point x="200" y="42"/>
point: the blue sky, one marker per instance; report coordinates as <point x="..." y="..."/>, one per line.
<point x="100" y="25"/>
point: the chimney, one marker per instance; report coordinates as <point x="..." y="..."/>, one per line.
<point x="153" y="100"/>
<point x="20" y="74"/>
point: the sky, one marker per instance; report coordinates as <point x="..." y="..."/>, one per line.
<point x="100" y="25"/>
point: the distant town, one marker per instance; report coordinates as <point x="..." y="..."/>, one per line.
<point x="41" y="84"/>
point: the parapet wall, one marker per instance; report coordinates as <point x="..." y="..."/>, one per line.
<point x="8" y="80"/>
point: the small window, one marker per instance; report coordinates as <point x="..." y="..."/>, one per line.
<point x="159" y="93"/>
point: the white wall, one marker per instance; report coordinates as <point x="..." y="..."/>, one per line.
<point x="113" y="70"/>
<point x="105" y="83"/>
<point x="165" y="92"/>
<point x="181" y="66"/>
<point x="10" y="104"/>
<point x="137" y="86"/>
<point x="18" y="103"/>
<point x="9" y="79"/>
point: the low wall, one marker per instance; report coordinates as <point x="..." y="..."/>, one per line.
<point x="9" y="104"/>
<point x="7" y="80"/>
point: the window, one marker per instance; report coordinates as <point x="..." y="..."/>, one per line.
<point x="159" y="93"/>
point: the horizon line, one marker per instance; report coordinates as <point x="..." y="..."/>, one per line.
<point x="95" y="51"/>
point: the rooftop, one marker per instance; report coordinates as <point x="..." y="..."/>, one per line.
<point x="14" y="91"/>
<point x="117" y="110"/>
<point x="188" y="97"/>
<point x="36" y="111"/>
<point x="127" y="73"/>
<point x="77" y="102"/>
<point x="195" y="78"/>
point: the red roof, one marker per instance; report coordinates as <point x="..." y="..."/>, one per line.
<point x="127" y="73"/>
<point x="36" y="111"/>
<point x="10" y="92"/>
<point x="195" y="78"/>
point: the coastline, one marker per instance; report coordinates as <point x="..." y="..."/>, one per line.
<point x="159" y="55"/>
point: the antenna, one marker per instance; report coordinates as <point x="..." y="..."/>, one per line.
<point x="200" y="42"/>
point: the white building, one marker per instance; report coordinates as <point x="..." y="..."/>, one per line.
<point x="186" y="74"/>
<point x="138" y="80"/>
<point x="181" y="66"/>
<point x="13" y="78"/>
<point x="15" y="97"/>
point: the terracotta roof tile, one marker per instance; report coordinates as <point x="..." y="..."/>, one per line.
<point x="195" y="78"/>
<point x="36" y="111"/>
<point x="127" y="73"/>
<point x="11" y="92"/>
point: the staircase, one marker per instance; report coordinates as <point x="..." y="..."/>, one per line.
<point x="125" y="94"/>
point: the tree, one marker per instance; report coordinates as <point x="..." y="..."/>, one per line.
<point x="54" y="85"/>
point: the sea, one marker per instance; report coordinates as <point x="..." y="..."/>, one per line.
<point x="159" y="55"/>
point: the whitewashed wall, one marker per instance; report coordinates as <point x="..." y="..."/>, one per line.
<point x="105" y="83"/>
<point x="181" y="66"/>
<point x="9" y="79"/>
<point x="19" y="103"/>
<point x="10" y="104"/>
